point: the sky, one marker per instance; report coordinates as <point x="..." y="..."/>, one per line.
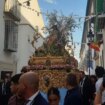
<point x="67" y="7"/>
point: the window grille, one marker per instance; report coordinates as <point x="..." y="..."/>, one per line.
<point x="11" y="35"/>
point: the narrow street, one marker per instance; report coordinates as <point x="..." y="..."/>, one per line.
<point x="52" y="52"/>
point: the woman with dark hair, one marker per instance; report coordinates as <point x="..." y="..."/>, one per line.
<point x="15" y="99"/>
<point x="53" y="96"/>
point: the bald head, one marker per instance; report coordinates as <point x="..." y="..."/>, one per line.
<point x="30" y="80"/>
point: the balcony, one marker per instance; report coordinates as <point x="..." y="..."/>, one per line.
<point x="11" y="9"/>
<point x="99" y="37"/>
<point x="101" y="21"/>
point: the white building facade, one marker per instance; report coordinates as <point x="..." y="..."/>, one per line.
<point x="92" y="22"/>
<point x="17" y="25"/>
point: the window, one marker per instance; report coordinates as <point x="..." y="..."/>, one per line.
<point x="11" y="34"/>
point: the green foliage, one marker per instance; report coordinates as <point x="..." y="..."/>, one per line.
<point x="59" y="30"/>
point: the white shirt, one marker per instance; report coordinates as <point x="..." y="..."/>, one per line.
<point x="98" y="84"/>
<point x="32" y="98"/>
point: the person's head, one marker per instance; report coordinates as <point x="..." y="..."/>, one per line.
<point x="53" y="96"/>
<point x="82" y="74"/>
<point x="7" y="77"/>
<point x="28" y="84"/>
<point x="14" y="83"/>
<point x="93" y="79"/>
<point x="24" y="69"/>
<point x="71" y="81"/>
<point x="99" y="71"/>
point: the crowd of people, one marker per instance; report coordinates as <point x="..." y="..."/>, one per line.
<point x="23" y="89"/>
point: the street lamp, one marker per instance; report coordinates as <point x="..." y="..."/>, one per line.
<point x="90" y="37"/>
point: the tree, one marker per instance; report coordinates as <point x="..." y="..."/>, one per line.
<point x="59" y="31"/>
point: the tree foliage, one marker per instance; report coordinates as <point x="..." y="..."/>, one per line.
<point x="59" y="31"/>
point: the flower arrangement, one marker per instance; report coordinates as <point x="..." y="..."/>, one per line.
<point x="37" y="67"/>
<point x="60" y="67"/>
<point x="51" y="67"/>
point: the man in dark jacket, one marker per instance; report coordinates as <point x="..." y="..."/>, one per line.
<point x="5" y="92"/>
<point x="28" y="89"/>
<point x="73" y="96"/>
<point x="86" y="89"/>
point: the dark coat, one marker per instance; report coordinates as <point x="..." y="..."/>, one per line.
<point x="4" y="98"/>
<point x="73" y="97"/>
<point x="39" y="100"/>
<point x="86" y="90"/>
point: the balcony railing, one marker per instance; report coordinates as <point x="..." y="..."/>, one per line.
<point x="12" y="9"/>
<point x="101" y="21"/>
<point x="99" y="36"/>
